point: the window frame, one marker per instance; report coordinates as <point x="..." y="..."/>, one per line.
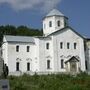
<point x="58" y="23"/>
<point x="17" y="66"/>
<point x="61" y="45"/>
<point x="28" y="66"/>
<point x="17" y="48"/>
<point x="86" y="64"/>
<point x="50" y="23"/>
<point x="62" y="63"/>
<point x="48" y="64"/>
<point x="75" y="45"/>
<point x="68" y="45"/>
<point x="28" y="48"/>
<point x="47" y="45"/>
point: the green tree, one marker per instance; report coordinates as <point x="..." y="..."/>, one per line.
<point x="20" y="31"/>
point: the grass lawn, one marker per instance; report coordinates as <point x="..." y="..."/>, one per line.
<point x="50" y="82"/>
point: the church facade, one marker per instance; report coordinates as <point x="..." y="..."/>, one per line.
<point x="60" y="49"/>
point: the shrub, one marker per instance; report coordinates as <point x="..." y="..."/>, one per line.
<point x="50" y="82"/>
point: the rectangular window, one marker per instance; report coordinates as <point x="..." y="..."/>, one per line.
<point x="58" y="23"/>
<point x="61" y="45"/>
<point x="62" y="63"/>
<point x="65" y="23"/>
<point x="17" y="66"/>
<point x="68" y="45"/>
<point x="28" y="66"/>
<point x="48" y="64"/>
<point x="28" y="47"/>
<point x="47" y="45"/>
<point x="86" y="64"/>
<point x="17" y="48"/>
<point x="50" y="24"/>
<point x="75" y="45"/>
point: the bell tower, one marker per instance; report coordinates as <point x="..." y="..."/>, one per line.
<point x="54" y="21"/>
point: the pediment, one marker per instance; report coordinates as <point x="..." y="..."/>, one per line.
<point x="72" y="59"/>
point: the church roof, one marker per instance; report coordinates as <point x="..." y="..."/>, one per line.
<point x="54" y="12"/>
<point x="26" y="39"/>
<point x="63" y="29"/>
<point x="72" y="58"/>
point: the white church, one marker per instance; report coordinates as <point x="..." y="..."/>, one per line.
<point x="60" y="50"/>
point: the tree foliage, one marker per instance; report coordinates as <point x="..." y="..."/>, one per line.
<point x="18" y="31"/>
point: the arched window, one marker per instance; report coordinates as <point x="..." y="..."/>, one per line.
<point x="50" y="23"/>
<point x="28" y="66"/>
<point x="62" y="63"/>
<point x="48" y="64"/>
<point x="17" y="66"/>
<point x="58" y="23"/>
<point x="61" y="45"/>
<point x="68" y="45"/>
<point x="17" y="48"/>
<point x="86" y="64"/>
<point x="28" y="48"/>
<point x="75" y="45"/>
<point x="47" y="45"/>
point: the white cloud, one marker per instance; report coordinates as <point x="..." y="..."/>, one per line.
<point x="44" y="5"/>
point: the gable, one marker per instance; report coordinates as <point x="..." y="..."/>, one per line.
<point x="72" y="59"/>
<point x="66" y="29"/>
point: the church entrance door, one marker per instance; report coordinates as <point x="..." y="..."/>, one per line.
<point x="73" y="66"/>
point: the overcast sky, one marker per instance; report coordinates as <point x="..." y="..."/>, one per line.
<point x="31" y="12"/>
